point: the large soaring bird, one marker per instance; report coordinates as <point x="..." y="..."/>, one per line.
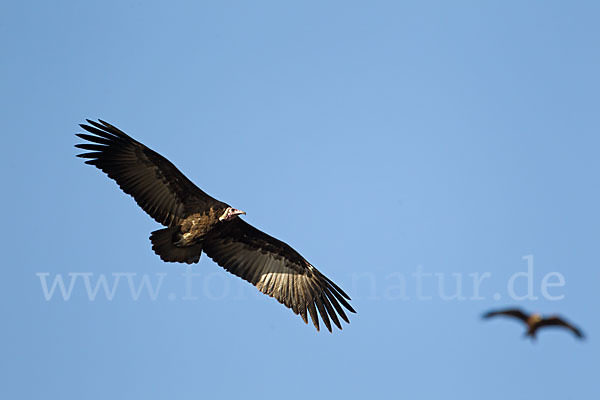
<point x="198" y="223"/>
<point x="535" y="321"/>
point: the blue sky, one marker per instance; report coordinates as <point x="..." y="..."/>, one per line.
<point x="379" y="140"/>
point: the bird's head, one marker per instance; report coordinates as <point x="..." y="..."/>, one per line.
<point x="230" y="213"/>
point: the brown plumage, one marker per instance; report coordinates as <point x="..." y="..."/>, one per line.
<point x="535" y="321"/>
<point x="196" y="223"/>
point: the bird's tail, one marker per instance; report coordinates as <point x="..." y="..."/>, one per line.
<point x="163" y="245"/>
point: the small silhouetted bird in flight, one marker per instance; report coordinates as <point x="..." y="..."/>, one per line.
<point x="197" y="223"/>
<point x="535" y="321"/>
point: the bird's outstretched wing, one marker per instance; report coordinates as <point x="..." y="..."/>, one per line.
<point x="157" y="186"/>
<point x="511" y="312"/>
<point x="278" y="271"/>
<point x="558" y="321"/>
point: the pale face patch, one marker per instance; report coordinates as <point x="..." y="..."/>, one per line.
<point x="230" y="213"/>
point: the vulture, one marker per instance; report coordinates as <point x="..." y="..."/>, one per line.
<point x="196" y="222"/>
<point x="535" y="321"/>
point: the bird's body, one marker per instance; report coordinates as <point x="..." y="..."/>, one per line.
<point x="196" y="222"/>
<point x="195" y="227"/>
<point x="534" y="321"/>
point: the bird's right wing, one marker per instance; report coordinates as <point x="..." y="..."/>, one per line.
<point x="278" y="271"/>
<point x="157" y="186"/>
<point x="513" y="312"/>
<point x="557" y="321"/>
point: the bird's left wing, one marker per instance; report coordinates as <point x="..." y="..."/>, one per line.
<point x="277" y="270"/>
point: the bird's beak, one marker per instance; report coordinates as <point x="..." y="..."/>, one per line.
<point x="237" y="212"/>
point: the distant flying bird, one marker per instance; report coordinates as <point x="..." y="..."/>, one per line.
<point x="198" y="223"/>
<point x="535" y="321"/>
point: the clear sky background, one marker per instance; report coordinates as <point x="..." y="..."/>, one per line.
<point x="377" y="138"/>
